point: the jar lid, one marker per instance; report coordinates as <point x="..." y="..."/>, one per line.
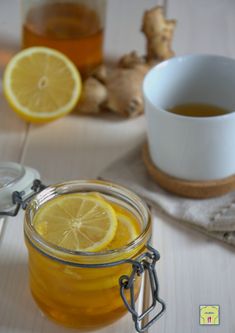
<point x="15" y="177"/>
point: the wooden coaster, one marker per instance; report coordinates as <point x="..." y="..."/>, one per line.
<point x="185" y="188"/>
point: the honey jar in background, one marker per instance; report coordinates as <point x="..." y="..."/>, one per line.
<point x="74" y="27"/>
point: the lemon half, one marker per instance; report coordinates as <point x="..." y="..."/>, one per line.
<point x="41" y="84"/>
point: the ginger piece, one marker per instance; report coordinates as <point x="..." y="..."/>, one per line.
<point x="159" y="34"/>
<point x="100" y="73"/>
<point x="119" y="89"/>
<point x="124" y="84"/>
<point x="93" y="96"/>
<point x="124" y="87"/>
<point x="130" y="60"/>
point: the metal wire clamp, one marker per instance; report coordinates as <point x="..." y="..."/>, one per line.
<point x="20" y="202"/>
<point x="143" y="264"/>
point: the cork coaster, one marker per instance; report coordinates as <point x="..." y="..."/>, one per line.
<point x="185" y="188"/>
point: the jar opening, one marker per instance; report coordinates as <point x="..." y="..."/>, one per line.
<point x="114" y="192"/>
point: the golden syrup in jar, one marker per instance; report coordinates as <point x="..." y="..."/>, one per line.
<point x="80" y="297"/>
<point x="74" y="29"/>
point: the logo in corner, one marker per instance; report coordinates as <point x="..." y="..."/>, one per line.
<point x="209" y="314"/>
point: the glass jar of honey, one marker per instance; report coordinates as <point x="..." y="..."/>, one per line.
<point x="74" y="27"/>
<point x="88" y="289"/>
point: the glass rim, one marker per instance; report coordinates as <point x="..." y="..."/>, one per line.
<point x="53" y="191"/>
<point x="15" y="167"/>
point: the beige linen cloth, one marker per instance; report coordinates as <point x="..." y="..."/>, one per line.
<point x="214" y="217"/>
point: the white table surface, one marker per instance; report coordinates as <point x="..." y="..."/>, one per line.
<point x="193" y="269"/>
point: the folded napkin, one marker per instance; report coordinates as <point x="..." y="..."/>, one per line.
<point x="214" y="217"/>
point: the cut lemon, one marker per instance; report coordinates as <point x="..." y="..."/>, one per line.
<point x="41" y="84"/>
<point x="77" y="222"/>
<point x="127" y="231"/>
<point x="128" y="228"/>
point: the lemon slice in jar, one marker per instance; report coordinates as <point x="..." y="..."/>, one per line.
<point x="41" y="84"/>
<point x="128" y="228"/>
<point x="77" y="222"/>
<point x="127" y="231"/>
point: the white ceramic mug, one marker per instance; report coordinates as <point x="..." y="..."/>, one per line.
<point x="191" y="148"/>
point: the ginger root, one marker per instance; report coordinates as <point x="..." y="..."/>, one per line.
<point x="100" y="73"/>
<point x="131" y="60"/>
<point x="159" y="34"/>
<point x="93" y="96"/>
<point x="124" y="87"/>
<point x="119" y="89"/>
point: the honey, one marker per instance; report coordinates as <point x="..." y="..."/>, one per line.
<point x="85" y="298"/>
<point x="65" y="288"/>
<point x="72" y="28"/>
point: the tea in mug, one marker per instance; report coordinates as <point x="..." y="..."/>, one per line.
<point x="72" y="28"/>
<point x="198" y="110"/>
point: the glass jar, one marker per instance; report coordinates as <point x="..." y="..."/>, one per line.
<point x="74" y="27"/>
<point x="90" y="290"/>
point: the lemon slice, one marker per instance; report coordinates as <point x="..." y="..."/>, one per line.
<point x="41" y="84"/>
<point x="77" y="222"/>
<point x="128" y="228"/>
<point x="127" y="231"/>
